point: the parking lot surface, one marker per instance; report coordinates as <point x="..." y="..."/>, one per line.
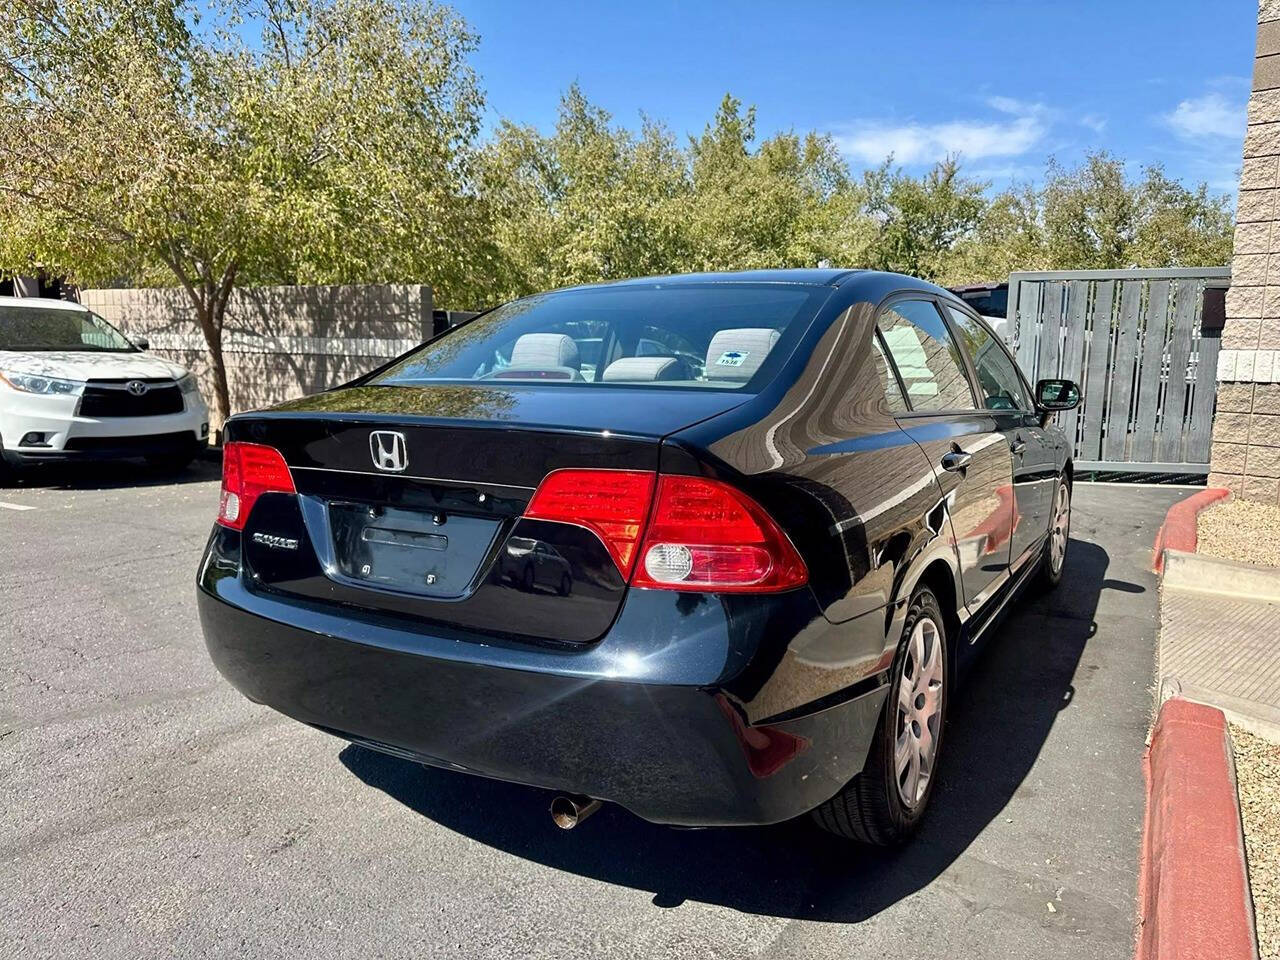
<point x="151" y="811"/>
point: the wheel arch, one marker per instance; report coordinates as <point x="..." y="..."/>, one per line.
<point x="939" y="571"/>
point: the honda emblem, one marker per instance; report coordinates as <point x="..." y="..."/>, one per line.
<point x="388" y="450"/>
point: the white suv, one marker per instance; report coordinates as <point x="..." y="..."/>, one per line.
<point x="72" y="387"/>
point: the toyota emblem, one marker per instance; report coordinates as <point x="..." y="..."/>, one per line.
<point x="136" y="387"/>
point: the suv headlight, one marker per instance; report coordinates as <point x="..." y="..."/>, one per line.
<point x="189" y="385"/>
<point x="35" y="383"/>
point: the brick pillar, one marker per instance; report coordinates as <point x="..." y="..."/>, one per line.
<point x="1246" y="427"/>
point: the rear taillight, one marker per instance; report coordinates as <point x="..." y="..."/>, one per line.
<point x="612" y="504"/>
<point x="701" y="535"/>
<point x="248" y="471"/>
<point x="706" y="535"/>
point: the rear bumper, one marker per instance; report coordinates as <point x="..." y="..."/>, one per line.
<point x="642" y="718"/>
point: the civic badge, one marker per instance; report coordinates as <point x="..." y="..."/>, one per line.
<point x="388" y="450"/>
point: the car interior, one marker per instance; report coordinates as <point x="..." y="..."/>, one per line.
<point x="699" y="338"/>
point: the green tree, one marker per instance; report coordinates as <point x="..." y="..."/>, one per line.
<point x="1181" y="227"/>
<point x="139" y="143"/>
<point x="921" y="220"/>
<point x="592" y="201"/>
<point x="1009" y="236"/>
<point x="1096" y="217"/>
<point x="788" y="203"/>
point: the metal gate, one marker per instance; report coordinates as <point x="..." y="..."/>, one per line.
<point x="1132" y="340"/>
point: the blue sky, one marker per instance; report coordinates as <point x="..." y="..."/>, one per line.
<point x="1004" y="84"/>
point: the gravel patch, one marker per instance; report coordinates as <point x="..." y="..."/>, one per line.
<point x="1258" y="781"/>
<point x="1242" y="530"/>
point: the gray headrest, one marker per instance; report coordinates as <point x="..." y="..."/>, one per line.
<point x="737" y="354"/>
<point x="637" y="369"/>
<point x="541" y="351"/>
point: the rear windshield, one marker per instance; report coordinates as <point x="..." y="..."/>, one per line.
<point x="717" y="335"/>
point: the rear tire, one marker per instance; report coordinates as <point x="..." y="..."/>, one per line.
<point x="1054" y="559"/>
<point x="885" y="803"/>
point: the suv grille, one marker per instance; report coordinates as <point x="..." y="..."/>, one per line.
<point x="109" y="398"/>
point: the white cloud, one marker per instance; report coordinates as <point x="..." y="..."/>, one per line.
<point x="1095" y="122"/>
<point x="912" y="143"/>
<point x="1211" y="115"/>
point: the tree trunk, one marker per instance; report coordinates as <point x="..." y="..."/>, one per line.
<point x="210" y="301"/>
<point x="221" y="408"/>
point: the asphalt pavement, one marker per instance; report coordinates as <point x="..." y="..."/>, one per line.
<point x="151" y="811"/>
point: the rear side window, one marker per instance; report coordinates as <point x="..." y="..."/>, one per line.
<point x="892" y="389"/>
<point x="729" y="336"/>
<point x="927" y="358"/>
<point x="998" y="379"/>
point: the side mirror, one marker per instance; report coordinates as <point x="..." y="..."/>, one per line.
<point x="1055" y="395"/>
<point x="142" y="343"/>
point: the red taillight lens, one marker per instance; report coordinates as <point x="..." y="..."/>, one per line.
<point x="705" y="535"/>
<point x="248" y="471"/>
<point x="702" y="534"/>
<point x="612" y="504"/>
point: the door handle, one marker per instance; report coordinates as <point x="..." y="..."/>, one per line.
<point x="956" y="460"/>
<point x="1018" y="446"/>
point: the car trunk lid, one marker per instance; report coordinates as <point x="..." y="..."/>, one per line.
<point x="410" y="501"/>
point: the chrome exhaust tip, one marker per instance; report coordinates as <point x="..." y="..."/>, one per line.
<point x="569" y="810"/>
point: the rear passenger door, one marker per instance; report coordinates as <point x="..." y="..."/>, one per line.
<point x="963" y="442"/>
<point x="1005" y="395"/>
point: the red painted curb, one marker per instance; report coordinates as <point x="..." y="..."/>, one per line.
<point x="1193" y="886"/>
<point x="1178" y="532"/>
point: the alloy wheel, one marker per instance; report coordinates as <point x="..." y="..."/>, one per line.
<point x="919" y="711"/>
<point x="1061" y="527"/>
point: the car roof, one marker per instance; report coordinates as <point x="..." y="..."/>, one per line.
<point x="872" y="280"/>
<point x="47" y="303"/>
<point x="815" y="276"/>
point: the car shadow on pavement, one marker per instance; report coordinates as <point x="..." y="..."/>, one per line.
<point x="109" y="475"/>
<point x="998" y="725"/>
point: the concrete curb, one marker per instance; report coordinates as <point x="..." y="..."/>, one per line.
<point x="1178" y="532"/>
<point x="1194" y="571"/>
<point x="1193" y="885"/>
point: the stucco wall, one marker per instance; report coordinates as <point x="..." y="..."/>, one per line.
<point x="279" y="342"/>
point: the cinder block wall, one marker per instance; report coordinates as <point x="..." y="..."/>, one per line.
<point x="279" y="342"/>
<point x="1246" y="427"/>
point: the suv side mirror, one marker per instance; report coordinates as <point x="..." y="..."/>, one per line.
<point x="142" y="343"/>
<point x="1055" y="395"/>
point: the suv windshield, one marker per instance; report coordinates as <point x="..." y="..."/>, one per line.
<point x="52" y="328"/>
<point x="712" y="335"/>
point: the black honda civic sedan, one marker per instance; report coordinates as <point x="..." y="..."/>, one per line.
<point x="775" y="513"/>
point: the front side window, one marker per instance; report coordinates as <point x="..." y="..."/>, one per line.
<point x="34" y="328"/>
<point x="717" y="335"/>
<point x="927" y="358"/>
<point x="998" y="379"/>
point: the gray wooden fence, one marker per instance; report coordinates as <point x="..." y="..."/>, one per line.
<point x="1132" y="340"/>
